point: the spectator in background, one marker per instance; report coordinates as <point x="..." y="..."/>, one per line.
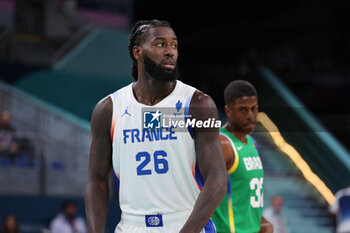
<point x="68" y="221"/>
<point x="341" y="210"/>
<point x="10" y="225"/>
<point x="273" y="214"/>
<point x="8" y="145"/>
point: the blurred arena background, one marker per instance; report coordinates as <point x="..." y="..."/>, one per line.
<point x="59" y="57"/>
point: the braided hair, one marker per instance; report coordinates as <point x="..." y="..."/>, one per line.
<point x="137" y="33"/>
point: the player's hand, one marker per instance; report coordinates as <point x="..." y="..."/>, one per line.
<point x="266" y="227"/>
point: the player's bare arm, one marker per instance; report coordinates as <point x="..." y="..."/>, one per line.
<point x="100" y="163"/>
<point x="265" y="226"/>
<point x="211" y="164"/>
<point x="228" y="152"/>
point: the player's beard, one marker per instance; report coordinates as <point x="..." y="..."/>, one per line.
<point x="157" y="72"/>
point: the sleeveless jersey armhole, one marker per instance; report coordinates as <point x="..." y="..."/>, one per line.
<point x="113" y="97"/>
<point x="187" y="111"/>
<point x="233" y="168"/>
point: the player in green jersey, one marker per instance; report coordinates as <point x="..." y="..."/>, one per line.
<point x="241" y="209"/>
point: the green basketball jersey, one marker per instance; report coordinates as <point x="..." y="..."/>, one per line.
<point x="241" y="209"/>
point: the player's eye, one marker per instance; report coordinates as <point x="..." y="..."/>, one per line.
<point x="159" y="45"/>
<point x="174" y="46"/>
<point x="242" y="109"/>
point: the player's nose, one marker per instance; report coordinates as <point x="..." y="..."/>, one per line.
<point x="250" y="115"/>
<point x="169" y="51"/>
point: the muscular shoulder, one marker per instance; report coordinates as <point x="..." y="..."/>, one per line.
<point x="228" y="151"/>
<point x="202" y="100"/>
<point x="102" y="115"/>
<point x="202" y="106"/>
<point x="225" y="143"/>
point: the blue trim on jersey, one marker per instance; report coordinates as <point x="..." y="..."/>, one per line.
<point x="256" y="145"/>
<point x="198" y="176"/>
<point x="116" y="181"/>
<point x="209" y="227"/>
<point x="228" y="185"/>
<point x="186" y="112"/>
<point x="344" y="208"/>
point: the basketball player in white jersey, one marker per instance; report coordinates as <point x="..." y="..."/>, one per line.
<point x="168" y="181"/>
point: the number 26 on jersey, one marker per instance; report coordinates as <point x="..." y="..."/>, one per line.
<point x="158" y="159"/>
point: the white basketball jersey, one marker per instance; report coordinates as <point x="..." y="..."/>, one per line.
<point x="155" y="169"/>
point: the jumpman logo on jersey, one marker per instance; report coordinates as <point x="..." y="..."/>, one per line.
<point x="126" y="112"/>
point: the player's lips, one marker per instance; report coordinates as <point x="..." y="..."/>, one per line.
<point x="169" y="64"/>
<point x="250" y="124"/>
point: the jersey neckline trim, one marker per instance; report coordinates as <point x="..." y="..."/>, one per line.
<point x="174" y="91"/>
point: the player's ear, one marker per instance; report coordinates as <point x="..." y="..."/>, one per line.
<point x="137" y="52"/>
<point x="227" y="110"/>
